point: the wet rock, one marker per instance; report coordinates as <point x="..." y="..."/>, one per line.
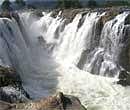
<point x="127" y="20"/>
<point x="124" y="78"/>
<point x="11" y="89"/>
<point x="5" y="14"/>
<point x="67" y="14"/>
<point x="15" y="16"/>
<point x="13" y="94"/>
<point x="5" y="106"/>
<point x="38" y="13"/>
<point x="57" y="102"/>
<point x="124" y="57"/>
<point x="55" y="13"/>
<point x="8" y="76"/>
<point x="123" y="74"/>
<point x="9" y="15"/>
<point x="109" y="15"/>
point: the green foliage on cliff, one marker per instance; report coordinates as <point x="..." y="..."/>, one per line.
<point x="6" y="5"/>
<point x="68" y="4"/>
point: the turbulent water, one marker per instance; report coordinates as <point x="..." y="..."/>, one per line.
<point x="51" y="55"/>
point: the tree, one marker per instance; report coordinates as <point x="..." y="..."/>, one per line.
<point x="6" y="5"/>
<point x="20" y="3"/>
<point x="110" y="3"/>
<point x="69" y="4"/>
<point x="92" y="3"/>
<point x="76" y="3"/>
<point x="60" y="4"/>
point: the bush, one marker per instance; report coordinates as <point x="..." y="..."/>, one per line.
<point x="69" y="4"/>
<point x="20" y="3"/>
<point x="92" y="3"/>
<point x="116" y="3"/>
<point x="6" y="5"/>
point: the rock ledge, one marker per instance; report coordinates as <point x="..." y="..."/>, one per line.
<point x="56" y="102"/>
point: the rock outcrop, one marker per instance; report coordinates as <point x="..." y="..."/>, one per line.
<point x="124" y="78"/>
<point x="56" y="102"/>
<point x="127" y="20"/>
<point x="5" y="14"/>
<point x="109" y="15"/>
<point x="11" y="89"/>
<point x="8" y="76"/>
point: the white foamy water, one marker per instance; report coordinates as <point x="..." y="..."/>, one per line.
<point x="51" y="56"/>
<point x="95" y="92"/>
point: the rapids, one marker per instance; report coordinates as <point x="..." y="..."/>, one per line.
<point x="53" y="56"/>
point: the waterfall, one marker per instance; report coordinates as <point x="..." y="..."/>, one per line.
<point x="51" y="55"/>
<point x="88" y="47"/>
<point x="26" y="55"/>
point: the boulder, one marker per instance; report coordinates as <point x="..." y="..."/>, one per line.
<point x="124" y="78"/>
<point x="8" y="76"/>
<point x="56" y="102"/>
<point x="11" y="89"/>
<point x="13" y="94"/>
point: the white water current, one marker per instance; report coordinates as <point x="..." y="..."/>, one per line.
<point x="51" y="56"/>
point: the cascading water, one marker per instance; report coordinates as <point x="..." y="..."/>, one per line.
<point x="25" y="54"/>
<point x="50" y="56"/>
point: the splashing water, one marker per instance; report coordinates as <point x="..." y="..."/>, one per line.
<point x="53" y="56"/>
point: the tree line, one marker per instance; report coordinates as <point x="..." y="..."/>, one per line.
<point x="91" y="3"/>
<point x="6" y="5"/>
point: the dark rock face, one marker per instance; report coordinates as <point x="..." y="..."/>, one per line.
<point x="9" y="15"/>
<point x="5" y="14"/>
<point x="57" y="102"/>
<point x="127" y="20"/>
<point x="109" y="16"/>
<point x="38" y="13"/>
<point x="4" y="106"/>
<point x="11" y="89"/>
<point x="124" y="78"/>
<point x="67" y="14"/>
<point x="8" y="76"/>
<point x="125" y="52"/>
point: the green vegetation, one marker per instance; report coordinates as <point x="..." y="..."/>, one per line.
<point x="20" y="3"/>
<point x="68" y="4"/>
<point x="111" y="3"/>
<point x="92" y="3"/>
<point x="6" y="5"/>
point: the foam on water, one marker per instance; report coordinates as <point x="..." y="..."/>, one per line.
<point x="95" y="92"/>
<point x="52" y="56"/>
